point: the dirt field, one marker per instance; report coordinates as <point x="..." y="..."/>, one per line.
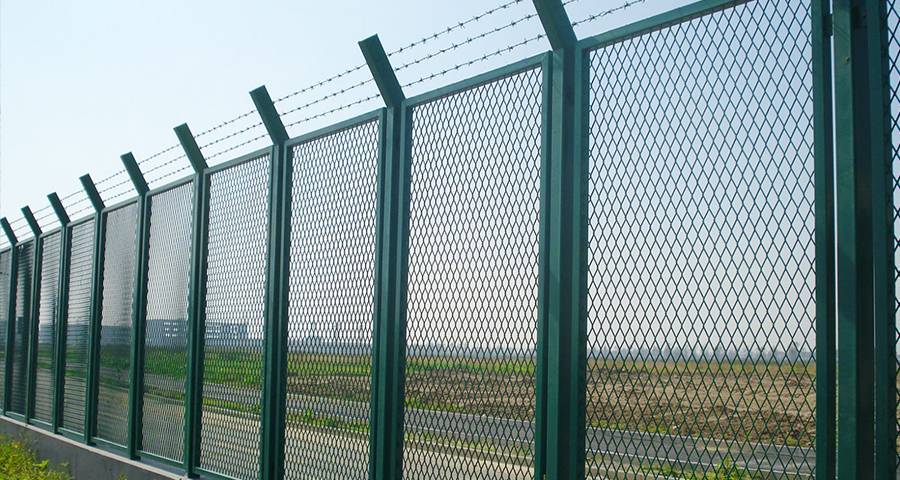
<point x="754" y="402"/>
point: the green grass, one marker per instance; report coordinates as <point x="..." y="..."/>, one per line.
<point x="308" y="417"/>
<point x="726" y="470"/>
<point x="17" y="461"/>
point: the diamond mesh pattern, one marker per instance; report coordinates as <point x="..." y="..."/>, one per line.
<point x="331" y="310"/>
<point x="5" y="266"/>
<point x="46" y="316"/>
<point x="235" y="309"/>
<point x="78" y="316"/>
<point x="24" y="274"/>
<point x="165" y="350"/>
<point x="473" y="282"/>
<point x="120" y="251"/>
<point x="701" y="327"/>
<point x="893" y="35"/>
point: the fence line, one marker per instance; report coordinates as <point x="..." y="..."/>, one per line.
<point x="615" y="258"/>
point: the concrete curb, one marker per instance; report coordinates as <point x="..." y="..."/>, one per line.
<point x="84" y="462"/>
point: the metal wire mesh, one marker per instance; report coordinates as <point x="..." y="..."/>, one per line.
<point x="5" y="270"/>
<point x="46" y="334"/>
<point x="473" y="282"/>
<point x="235" y="308"/>
<point x="120" y="252"/>
<point x="19" y="354"/>
<point x="78" y="317"/>
<point x="331" y="309"/>
<point x="701" y="307"/>
<point x="893" y="35"/>
<point x="165" y="350"/>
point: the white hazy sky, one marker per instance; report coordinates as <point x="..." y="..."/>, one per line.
<point x="82" y="82"/>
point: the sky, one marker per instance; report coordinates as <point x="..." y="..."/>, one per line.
<point x="83" y="82"/>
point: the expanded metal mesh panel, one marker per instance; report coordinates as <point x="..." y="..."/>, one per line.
<point x="473" y="282"/>
<point x="46" y="335"/>
<point x="893" y="35"/>
<point x="165" y="349"/>
<point x="331" y="309"/>
<point x="235" y="309"/>
<point x="5" y="270"/>
<point x="120" y="253"/>
<point x="78" y="317"/>
<point x="701" y="306"/>
<point x="24" y="275"/>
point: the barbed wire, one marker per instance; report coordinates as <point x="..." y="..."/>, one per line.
<point x="235" y="147"/>
<point x="169" y="174"/>
<point x="165" y="164"/>
<point x="526" y="41"/>
<point x="231" y="135"/>
<point x="422" y="41"/>
<point x="333" y="110"/>
<point x="475" y="38"/>
<point x="591" y="18"/>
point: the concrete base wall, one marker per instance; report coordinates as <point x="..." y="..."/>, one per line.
<point x="84" y="462"/>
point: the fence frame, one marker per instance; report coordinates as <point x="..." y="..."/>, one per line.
<point x="33" y="345"/>
<point x="65" y="244"/>
<point x="859" y="217"/>
<point x="63" y="325"/>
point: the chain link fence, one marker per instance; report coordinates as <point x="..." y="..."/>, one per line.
<point x="331" y="303"/>
<point x="74" y="360"/>
<point x="166" y="338"/>
<point x="392" y="285"/>
<point x="48" y="309"/>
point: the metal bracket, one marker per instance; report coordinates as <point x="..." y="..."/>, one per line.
<point x="58" y="208"/>
<point x="91" y="190"/>
<point x="32" y="222"/>
<point x="556" y="24"/>
<point x="190" y="147"/>
<point x="382" y="71"/>
<point x="134" y="172"/>
<point x="270" y="117"/>
<point x="10" y="233"/>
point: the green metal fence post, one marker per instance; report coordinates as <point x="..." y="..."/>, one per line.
<point x="193" y="410"/>
<point x="564" y="284"/>
<point x="31" y="322"/>
<point x="93" y="360"/>
<point x="139" y="307"/>
<point x="59" y="361"/>
<point x="857" y="91"/>
<point x="879" y="138"/>
<point x="276" y="321"/>
<point x="389" y="357"/>
<point x="824" y="212"/>
<point x="10" y="310"/>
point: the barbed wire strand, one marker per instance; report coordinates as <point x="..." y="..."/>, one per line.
<point x="421" y="41"/>
<point x="509" y="48"/>
<point x="333" y="110"/>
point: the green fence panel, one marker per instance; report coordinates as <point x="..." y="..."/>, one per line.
<point x="48" y="307"/>
<point x="77" y="326"/>
<point x="114" y="368"/>
<point x="235" y="306"/>
<point x="165" y="350"/>
<point x="701" y="302"/>
<point x="892" y="25"/>
<point x="472" y="314"/>
<point x="330" y="309"/>
<point x="5" y="270"/>
<point x="19" y="353"/>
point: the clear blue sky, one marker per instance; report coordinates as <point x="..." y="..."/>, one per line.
<point x="83" y="82"/>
